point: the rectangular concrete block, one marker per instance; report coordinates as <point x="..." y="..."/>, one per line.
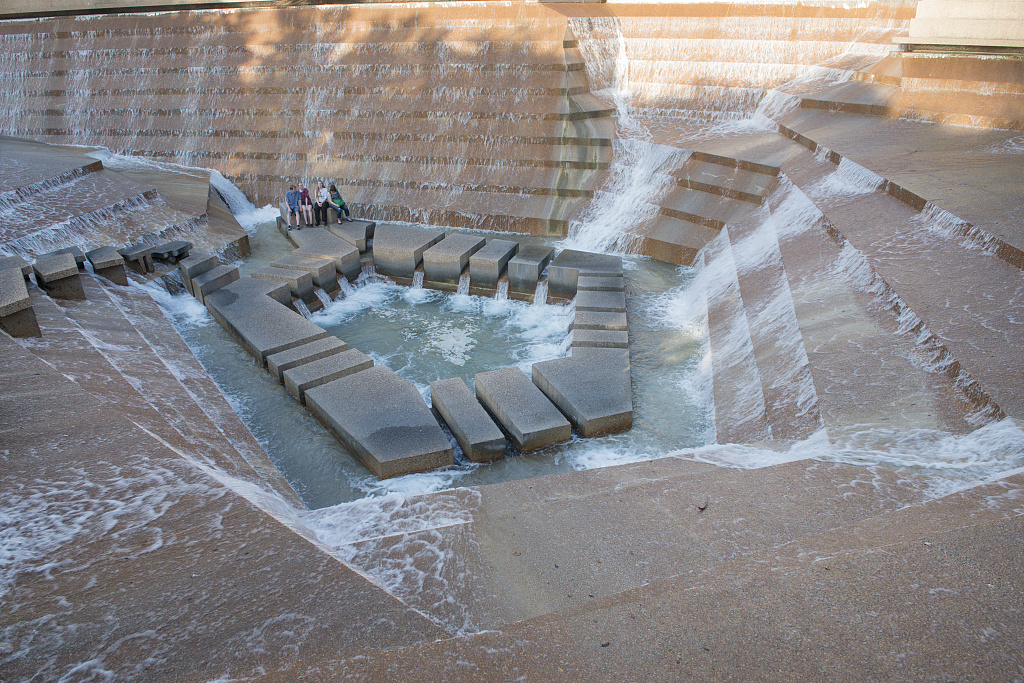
<point x="445" y="261"/>
<point x="109" y="264"/>
<point x="315" y="350"/>
<point x="206" y="283"/>
<point x="301" y="378"/>
<point x="196" y="264"/>
<point x="398" y="250"/>
<point x="522" y="410"/>
<point x="322" y="270"/>
<point x="13" y="292"/>
<point x="566" y="268"/>
<point x="614" y="283"/>
<point x="139" y="258"/>
<point x="611" y="302"/>
<point x="480" y="439"/>
<point x="382" y="418"/>
<point x="487" y="265"/>
<point x="172" y="251"/>
<point x="320" y="243"/>
<point x="8" y="262"/>
<point x="609" y="339"/>
<point x="58" y="276"/>
<point x="593" y="387"/>
<point x="356" y="232"/>
<point x="300" y="282"/>
<point x="596" y="320"/>
<point x="21" y="323"/>
<point x="74" y="251"/>
<point x="525" y="267"/>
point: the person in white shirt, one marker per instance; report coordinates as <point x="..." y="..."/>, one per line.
<point x="321" y="203"/>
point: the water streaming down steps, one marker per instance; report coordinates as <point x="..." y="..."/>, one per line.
<point x="324" y="297"/>
<point x="417" y="280"/>
<point x="302" y="308"/>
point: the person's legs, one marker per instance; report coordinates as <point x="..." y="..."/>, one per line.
<point x="348" y="214"/>
<point x="316" y="213"/>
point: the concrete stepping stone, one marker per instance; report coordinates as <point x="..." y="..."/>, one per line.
<point x="608" y="339"/>
<point x="566" y="268"/>
<point x="601" y="302"/>
<point x="613" y="283"/>
<point x="320" y="243"/>
<point x="57" y="275"/>
<point x="523" y="411"/>
<point x="109" y="264"/>
<point x="172" y="251"/>
<point x="196" y="264"/>
<point x="322" y="270"/>
<point x="7" y="262"/>
<point x="355" y="232"/>
<point x="480" y="439"/>
<point x="398" y="250"/>
<point x="74" y="251"/>
<point x="525" y="267"/>
<point x="592" y="386"/>
<point x="278" y="363"/>
<point x="487" y="265"/>
<point x="445" y="261"/>
<point x="16" y="315"/>
<point x="252" y="312"/>
<point x="306" y="376"/>
<point x="206" y="283"/>
<point x="139" y="257"/>
<point x="300" y="282"/>
<point x="599" y="320"/>
<point x="382" y="418"/>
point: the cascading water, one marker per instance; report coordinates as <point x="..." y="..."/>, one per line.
<point x="501" y="293"/>
<point x="302" y="308"/>
<point x="324" y="297"/>
<point x="417" y="280"/>
<point x="463" y="285"/>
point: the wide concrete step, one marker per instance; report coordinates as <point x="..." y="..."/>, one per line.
<point x="725" y="180"/>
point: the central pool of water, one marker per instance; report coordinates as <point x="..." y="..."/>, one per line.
<point x="425" y="335"/>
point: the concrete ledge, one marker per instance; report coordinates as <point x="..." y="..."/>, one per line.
<point x="525" y="267"/>
<point x="601" y="302"/>
<point x="599" y="320"/>
<point x="522" y="410"/>
<point x="319" y="243"/>
<point x="193" y="266"/>
<point x="487" y="265"/>
<point x="382" y="418"/>
<point x="398" y="250"/>
<point x="206" y="283"/>
<point x="570" y="264"/>
<point x="58" y="276"/>
<point x="251" y="311"/>
<point x="139" y="257"/>
<point x="355" y="232"/>
<point x="172" y="251"/>
<point x="13" y="293"/>
<point x="74" y="251"/>
<point x="605" y="339"/>
<point x="300" y="282"/>
<point x="8" y="262"/>
<point x="593" y="387"/>
<point x="306" y="376"/>
<point x="445" y="261"/>
<point x="278" y="363"/>
<point x="480" y="439"/>
<point x="323" y="271"/>
<point x="109" y="264"/>
<point x="596" y="283"/>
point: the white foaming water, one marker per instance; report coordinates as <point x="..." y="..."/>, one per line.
<point x="302" y="308"/>
<point x="463" y="285"/>
<point x="247" y="215"/>
<point x="417" y="280"/>
<point x="849" y="178"/>
<point x="324" y="297"/>
<point x="501" y="292"/>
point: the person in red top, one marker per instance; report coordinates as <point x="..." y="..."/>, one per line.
<point x="305" y="205"/>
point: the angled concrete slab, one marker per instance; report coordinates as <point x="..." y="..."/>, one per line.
<point x="610" y="283"/>
<point x="196" y="264"/>
<point x="487" y="265"/>
<point x="525" y="267"/>
<point x="609" y="339"/>
<point x="277" y="363"/>
<point x="301" y="378"/>
<point x="8" y="262"/>
<point x="592" y="386"/>
<point x="206" y="283"/>
<point x="599" y="320"/>
<point x="566" y="268"/>
<point x="57" y="275"/>
<point x="382" y="418"/>
<point x="522" y="410"/>
<point x="445" y="261"/>
<point x="355" y="232"/>
<point x="322" y="270"/>
<point x="300" y="282"/>
<point x="601" y="302"/>
<point x="106" y="262"/>
<point x="319" y="242"/>
<point x="398" y="250"/>
<point x="480" y="439"/>
<point x="139" y="257"/>
<point x="74" y="251"/>
<point x="16" y="315"/>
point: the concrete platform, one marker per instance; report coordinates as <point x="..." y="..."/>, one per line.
<point x="356" y="232"/>
<point x="382" y="418"/>
<point x="601" y="302"/>
<point x="599" y="320"/>
<point x="109" y="264"/>
<point x="307" y="353"/>
<point x="525" y="267"/>
<point x="566" y="268"/>
<point x="206" y="283"/>
<point x="322" y="270"/>
<point x="18" y="262"/>
<point x="301" y="378"/>
<point x="445" y="261"/>
<point x="606" y="339"/>
<point x="196" y="264"/>
<point x="74" y="251"/>
<point x="480" y="439"/>
<point x="58" y="276"/>
<point x="172" y="252"/>
<point x="592" y="386"/>
<point x="251" y="311"/>
<point x="614" y="283"/>
<point x="320" y="243"/>
<point x="398" y="250"/>
<point x="487" y="265"/>
<point x="140" y="258"/>
<point x="522" y="410"/>
<point x="16" y="315"/>
<point x="300" y="282"/>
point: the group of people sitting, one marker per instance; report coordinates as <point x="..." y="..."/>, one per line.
<point x="310" y="211"/>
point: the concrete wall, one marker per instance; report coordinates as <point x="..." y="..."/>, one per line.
<point x="979" y="23"/>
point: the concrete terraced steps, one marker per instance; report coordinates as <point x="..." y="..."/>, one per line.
<point x="488" y="124"/>
<point x="119" y="347"/>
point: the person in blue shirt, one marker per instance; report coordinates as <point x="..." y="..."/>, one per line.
<point x="291" y="197"/>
